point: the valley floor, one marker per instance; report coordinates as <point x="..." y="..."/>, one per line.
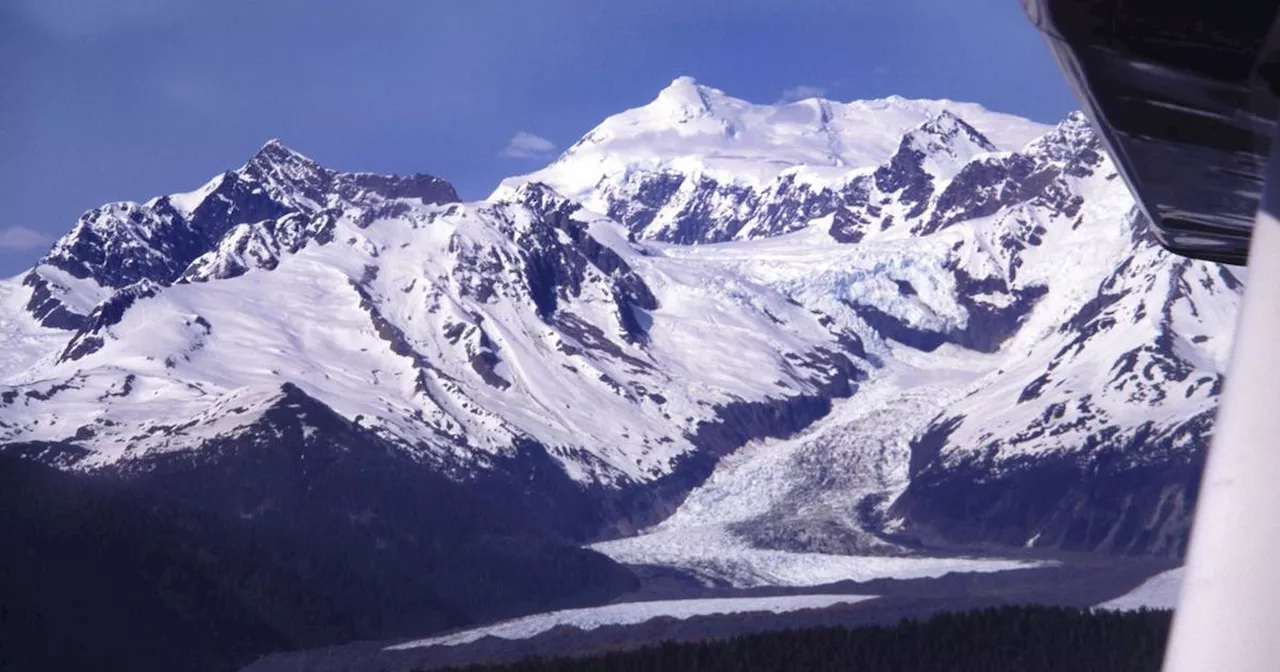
<point x="675" y="605"/>
<point x="1008" y="639"/>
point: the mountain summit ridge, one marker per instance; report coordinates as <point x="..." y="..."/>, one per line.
<point x="696" y="165"/>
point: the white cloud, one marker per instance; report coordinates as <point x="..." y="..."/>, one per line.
<point x="22" y="238"/>
<point x="525" y="145"/>
<point x="803" y="91"/>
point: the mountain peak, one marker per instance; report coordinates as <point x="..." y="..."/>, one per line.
<point x="275" y="153"/>
<point x="540" y="197"/>
<point x="1072" y="142"/>
<point x="291" y="177"/>
<point x="684" y="98"/>
<point x="947" y="125"/>
<point x="683" y="83"/>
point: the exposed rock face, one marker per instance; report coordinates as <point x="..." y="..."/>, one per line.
<point x="239" y="220"/>
<point x="1126" y="491"/>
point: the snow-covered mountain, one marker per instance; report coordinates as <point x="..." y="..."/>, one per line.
<point x="902" y="321"/>
<point x="696" y="165"/>
<point x="455" y="331"/>
<point x="123" y="243"/>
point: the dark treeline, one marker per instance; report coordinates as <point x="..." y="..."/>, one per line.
<point x="1003" y="639"/>
<point x="158" y="572"/>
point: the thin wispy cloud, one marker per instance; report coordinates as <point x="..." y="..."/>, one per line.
<point x="22" y="238"/>
<point x="802" y="92"/>
<point x="525" y="145"/>
<point x="75" y="19"/>
<point x="201" y="95"/>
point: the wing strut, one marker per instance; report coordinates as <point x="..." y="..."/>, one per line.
<point x="1228" y="617"/>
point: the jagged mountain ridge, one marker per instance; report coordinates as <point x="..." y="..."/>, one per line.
<point x="935" y="244"/>
<point x="457" y="331"/>
<point x="123" y="243"/>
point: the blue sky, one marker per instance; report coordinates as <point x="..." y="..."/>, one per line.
<point x="127" y="99"/>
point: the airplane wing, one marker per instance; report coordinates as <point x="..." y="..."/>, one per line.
<point x="1178" y="90"/>
<point x="1184" y="95"/>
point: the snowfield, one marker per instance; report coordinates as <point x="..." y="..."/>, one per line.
<point x="633" y="613"/>
<point x="1158" y="592"/>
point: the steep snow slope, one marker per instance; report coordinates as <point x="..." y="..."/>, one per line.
<point x="26" y="341"/>
<point x="1093" y="432"/>
<point x="454" y="330"/>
